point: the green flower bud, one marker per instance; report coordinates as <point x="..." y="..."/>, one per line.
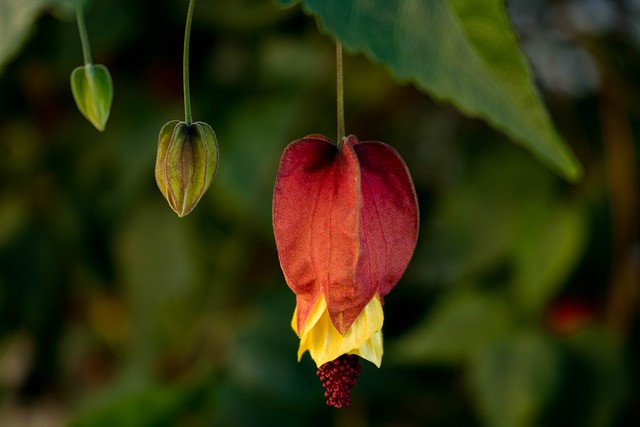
<point x="93" y="92"/>
<point x="186" y="163"/>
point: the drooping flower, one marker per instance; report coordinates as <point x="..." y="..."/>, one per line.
<point x="345" y="220"/>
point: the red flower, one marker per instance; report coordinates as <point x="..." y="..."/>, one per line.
<point x="345" y="220"/>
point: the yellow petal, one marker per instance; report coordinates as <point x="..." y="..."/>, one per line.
<point x="325" y="343"/>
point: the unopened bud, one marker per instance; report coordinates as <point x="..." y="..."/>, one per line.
<point x="186" y="163"/>
<point x="93" y="92"/>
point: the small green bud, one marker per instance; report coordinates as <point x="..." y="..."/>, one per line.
<point x="186" y="163"/>
<point x="93" y="92"/>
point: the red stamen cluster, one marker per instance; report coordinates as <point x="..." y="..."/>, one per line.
<point x="339" y="377"/>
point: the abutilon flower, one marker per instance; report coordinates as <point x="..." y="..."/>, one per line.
<point x="345" y="219"/>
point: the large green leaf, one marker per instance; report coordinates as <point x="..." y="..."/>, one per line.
<point x="459" y="51"/>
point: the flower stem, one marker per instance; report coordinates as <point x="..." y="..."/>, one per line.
<point x="340" y="92"/>
<point x="185" y="64"/>
<point x="84" y="38"/>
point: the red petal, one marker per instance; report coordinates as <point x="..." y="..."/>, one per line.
<point x="345" y="222"/>
<point x="315" y="221"/>
<point x="388" y="216"/>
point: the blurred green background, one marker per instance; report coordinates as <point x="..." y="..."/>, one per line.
<point x="519" y="307"/>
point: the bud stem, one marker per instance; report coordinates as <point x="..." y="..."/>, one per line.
<point x="185" y="64"/>
<point x="340" y="92"/>
<point x="84" y="38"/>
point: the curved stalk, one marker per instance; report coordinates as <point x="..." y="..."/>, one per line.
<point x="340" y="92"/>
<point x="84" y="38"/>
<point x="185" y="64"/>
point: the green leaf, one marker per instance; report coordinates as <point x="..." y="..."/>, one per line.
<point x="16" y="19"/>
<point x="550" y="242"/>
<point x="461" y="324"/>
<point x="458" y="51"/>
<point x="93" y="92"/>
<point x="514" y="379"/>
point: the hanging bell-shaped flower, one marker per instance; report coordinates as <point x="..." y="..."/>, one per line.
<point x="186" y="163"/>
<point x="345" y="220"/>
<point x="93" y="92"/>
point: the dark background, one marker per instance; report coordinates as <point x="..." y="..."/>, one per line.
<point x="519" y="307"/>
